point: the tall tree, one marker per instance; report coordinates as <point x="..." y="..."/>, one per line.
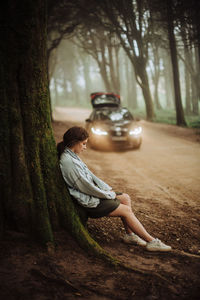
<point x="154" y="56"/>
<point x="188" y="106"/>
<point x="168" y="81"/>
<point x="188" y="23"/>
<point x="180" y="119"/>
<point x="130" y="89"/>
<point x="154" y="63"/>
<point x="33" y="198"/>
<point x="104" y="48"/>
<point x="129" y="20"/>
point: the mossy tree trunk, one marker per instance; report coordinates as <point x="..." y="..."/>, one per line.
<point x="33" y="198"/>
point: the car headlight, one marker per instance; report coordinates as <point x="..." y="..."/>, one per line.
<point x="136" y="131"/>
<point x="98" y="131"/>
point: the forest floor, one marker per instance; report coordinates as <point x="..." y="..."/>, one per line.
<point x="163" y="180"/>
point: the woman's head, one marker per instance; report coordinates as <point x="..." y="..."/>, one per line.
<point x="74" y="138"/>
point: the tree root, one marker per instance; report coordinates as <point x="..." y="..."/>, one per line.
<point x="185" y="254"/>
<point x="58" y="279"/>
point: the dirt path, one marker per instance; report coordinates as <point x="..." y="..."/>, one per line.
<point x="163" y="180"/>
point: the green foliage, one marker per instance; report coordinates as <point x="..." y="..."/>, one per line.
<point x="168" y="116"/>
<point x="194" y="122"/>
<point x="165" y="116"/>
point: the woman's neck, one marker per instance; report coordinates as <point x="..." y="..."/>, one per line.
<point x="72" y="149"/>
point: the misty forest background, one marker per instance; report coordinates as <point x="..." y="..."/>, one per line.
<point x="147" y="51"/>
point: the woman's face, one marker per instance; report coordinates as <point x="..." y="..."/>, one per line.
<point x="79" y="147"/>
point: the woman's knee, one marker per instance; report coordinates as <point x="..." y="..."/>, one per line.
<point x="125" y="199"/>
<point x="122" y="211"/>
<point x="126" y="211"/>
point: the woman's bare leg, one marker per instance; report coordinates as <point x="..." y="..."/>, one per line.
<point x="125" y="212"/>
<point x="126" y="200"/>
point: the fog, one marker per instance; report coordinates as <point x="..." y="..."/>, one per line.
<point x="153" y="64"/>
<point x="75" y="74"/>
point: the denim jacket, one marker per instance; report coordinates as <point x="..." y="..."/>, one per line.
<point x="83" y="185"/>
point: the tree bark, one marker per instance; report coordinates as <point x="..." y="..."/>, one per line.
<point x="131" y="90"/>
<point x="117" y="70"/>
<point x="142" y="78"/>
<point x="113" y="70"/>
<point x="187" y="83"/>
<point x="156" y="75"/>
<point x="103" y="67"/>
<point x="86" y="71"/>
<point x="33" y="195"/>
<point x="195" y="104"/>
<point x="169" y="91"/>
<point x="180" y="120"/>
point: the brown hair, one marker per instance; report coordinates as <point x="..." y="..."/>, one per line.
<point x="71" y="137"/>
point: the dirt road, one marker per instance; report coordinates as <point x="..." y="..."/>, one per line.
<point x="163" y="180"/>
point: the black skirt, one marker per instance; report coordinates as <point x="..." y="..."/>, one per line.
<point x="105" y="207"/>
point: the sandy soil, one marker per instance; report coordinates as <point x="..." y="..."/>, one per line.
<point x="162" y="178"/>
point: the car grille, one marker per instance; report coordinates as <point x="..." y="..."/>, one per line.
<point x="119" y="132"/>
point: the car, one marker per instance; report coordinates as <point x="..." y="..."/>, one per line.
<point x="110" y="125"/>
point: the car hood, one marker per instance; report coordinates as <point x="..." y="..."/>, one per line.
<point x="109" y="123"/>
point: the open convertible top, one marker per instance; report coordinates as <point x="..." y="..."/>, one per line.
<point x="101" y="99"/>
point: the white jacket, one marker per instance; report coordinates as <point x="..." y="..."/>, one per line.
<point x="83" y="185"/>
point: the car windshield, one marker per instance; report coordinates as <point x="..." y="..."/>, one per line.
<point x="114" y="115"/>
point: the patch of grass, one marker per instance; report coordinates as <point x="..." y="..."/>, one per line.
<point x="193" y="121"/>
<point x="167" y="116"/>
<point x="161" y="116"/>
<point x="139" y="113"/>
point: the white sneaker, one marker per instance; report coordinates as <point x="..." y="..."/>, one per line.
<point x="133" y="239"/>
<point x="157" y="245"/>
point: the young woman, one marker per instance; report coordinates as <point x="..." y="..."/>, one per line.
<point x="97" y="197"/>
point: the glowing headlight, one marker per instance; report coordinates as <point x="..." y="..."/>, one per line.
<point x="136" y="131"/>
<point x="98" y="131"/>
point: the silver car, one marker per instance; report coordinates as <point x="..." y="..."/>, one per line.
<point x="110" y="125"/>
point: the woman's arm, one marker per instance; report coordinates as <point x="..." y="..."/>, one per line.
<point x="100" y="183"/>
<point x="89" y="188"/>
<point x="76" y="178"/>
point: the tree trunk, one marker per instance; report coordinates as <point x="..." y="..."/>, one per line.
<point x="142" y="78"/>
<point x="113" y="71"/>
<point x="180" y="120"/>
<point x="56" y="94"/>
<point x="131" y="91"/>
<point x="156" y="74"/>
<point x="195" y="104"/>
<point x="117" y="71"/>
<point x="86" y="72"/>
<point x="75" y="93"/>
<point x="156" y="98"/>
<point x="103" y="68"/>
<point x="169" y="92"/>
<point x="197" y="81"/>
<point x="187" y="83"/>
<point x="33" y="195"/>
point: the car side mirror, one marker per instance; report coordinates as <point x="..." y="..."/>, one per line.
<point x="88" y="120"/>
